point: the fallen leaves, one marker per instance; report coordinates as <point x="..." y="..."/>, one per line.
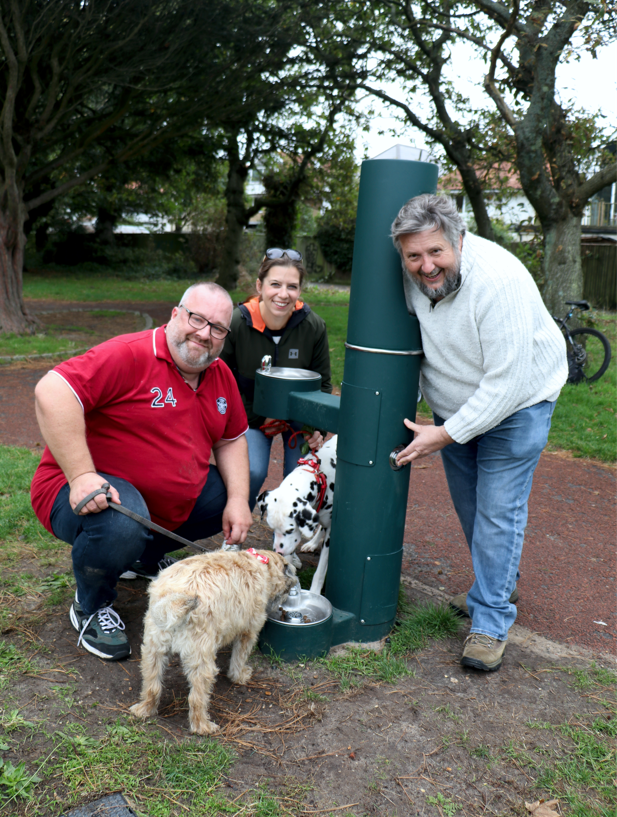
<point x="542" y="808"/>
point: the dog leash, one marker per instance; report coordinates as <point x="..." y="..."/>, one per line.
<point x="275" y="427"/>
<point x="104" y="489"/>
<point x="322" y="480"/>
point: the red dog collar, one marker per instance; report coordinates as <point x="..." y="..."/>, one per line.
<point x="259" y="556"/>
<point x="322" y="482"/>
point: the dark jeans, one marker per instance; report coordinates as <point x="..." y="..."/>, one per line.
<point x="105" y="544"/>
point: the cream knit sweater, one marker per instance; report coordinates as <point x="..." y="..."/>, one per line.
<point x="491" y="348"/>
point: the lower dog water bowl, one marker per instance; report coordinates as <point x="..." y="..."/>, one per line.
<point x="299" y="628"/>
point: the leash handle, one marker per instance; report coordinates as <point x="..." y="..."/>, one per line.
<point x="104" y="489"/>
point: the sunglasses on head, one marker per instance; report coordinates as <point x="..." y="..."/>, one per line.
<point x="274" y="253"/>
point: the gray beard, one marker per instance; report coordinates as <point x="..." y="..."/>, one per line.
<point x="452" y="282"/>
<point x="193" y="360"/>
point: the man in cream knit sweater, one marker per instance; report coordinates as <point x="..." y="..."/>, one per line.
<point x="494" y="364"/>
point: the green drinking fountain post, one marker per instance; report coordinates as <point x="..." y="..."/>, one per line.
<point x="379" y="389"/>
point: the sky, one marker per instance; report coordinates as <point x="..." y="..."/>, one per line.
<point x="590" y="84"/>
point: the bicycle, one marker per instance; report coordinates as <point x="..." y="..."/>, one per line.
<point x="589" y="351"/>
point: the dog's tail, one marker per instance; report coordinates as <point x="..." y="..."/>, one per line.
<point x="172" y="610"/>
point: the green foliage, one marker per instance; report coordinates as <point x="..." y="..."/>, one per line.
<point x="15" y="782"/>
<point x="337" y="227"/>
<point x="336" y="244"/>
<point x="586" y="763"/>
<point x="445" y="805"/>
<point x="129" y="263"/>
<point x="358" y="663"/>
<point x="136" y="761"/>
<point x="593" y="677"/>
<point x="266" y="805"/>
<point x="335" y="313"/>
<point x="584" y="418"/>
<point x="17" y="519"/>
<point x="419" y="624"/>
<point x="11" y="720"/>
<point x="306" y="577"/>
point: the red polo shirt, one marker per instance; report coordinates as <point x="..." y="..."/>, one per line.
<point x="145" y="424"/>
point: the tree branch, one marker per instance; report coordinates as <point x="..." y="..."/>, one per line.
<point x="489" y="79"/>
<point x="49" y="195"/>
<point x="600" y="180"/>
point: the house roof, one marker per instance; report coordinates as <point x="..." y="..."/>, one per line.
<point x="497" y="177"/>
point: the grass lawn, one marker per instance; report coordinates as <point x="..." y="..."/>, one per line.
<point x="584" y="419"/>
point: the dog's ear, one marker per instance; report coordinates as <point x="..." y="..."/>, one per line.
<point x="306" y="519"/>
<point x="261" y="502"/>
<point x="290" y="571"/>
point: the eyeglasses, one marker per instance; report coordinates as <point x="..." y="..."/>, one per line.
<point x="198" y="322"/>
<point x="275" y="252"/>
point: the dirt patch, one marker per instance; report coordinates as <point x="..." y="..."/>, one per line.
<point x="78" y="329"/>
<point x="94" y="326"/>
<point x="438" y="740"/>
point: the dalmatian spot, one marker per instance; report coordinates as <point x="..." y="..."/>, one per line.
<point x="291" y="512"/>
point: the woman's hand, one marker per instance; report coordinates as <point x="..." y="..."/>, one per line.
<point x="315" y="440"/>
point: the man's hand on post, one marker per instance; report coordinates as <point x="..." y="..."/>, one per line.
<point x="85" y="484"/>
<point x="237" y="519"/>
<point x="427" y="440"/>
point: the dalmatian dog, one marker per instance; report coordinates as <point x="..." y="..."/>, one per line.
<point x="298" y="508"/>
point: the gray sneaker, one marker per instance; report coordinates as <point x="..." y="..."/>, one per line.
<point x="101" y="633"/>
<point x="483" y="652"/>
<point x="138" y="570"/>
<point x="459" y="603"/>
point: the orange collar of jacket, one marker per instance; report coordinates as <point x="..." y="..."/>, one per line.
<point x="253" y="307"/>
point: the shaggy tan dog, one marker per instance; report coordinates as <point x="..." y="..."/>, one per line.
<point x="199" y="605"/>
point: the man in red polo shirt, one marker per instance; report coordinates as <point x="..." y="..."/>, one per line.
<point x="142" y="412"/>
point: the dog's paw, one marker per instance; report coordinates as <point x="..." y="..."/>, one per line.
<point x="142" y="710"/>
<point x="310" y="546"/>
<point x="202" y="726"/>
<point x="243" y="676"/>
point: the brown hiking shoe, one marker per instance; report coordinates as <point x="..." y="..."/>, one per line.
<point x="483" y="652"/>
<point x="459" y="603"/>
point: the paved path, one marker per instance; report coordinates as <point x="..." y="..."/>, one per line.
<point x="567" y="586"/>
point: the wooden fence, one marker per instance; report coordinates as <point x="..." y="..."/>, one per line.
<point x="600" y="275"/>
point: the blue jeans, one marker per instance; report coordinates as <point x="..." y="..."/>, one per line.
<point x="489" y="479"/>
<point x="259" y="457"/>
<point x="106" y="544"/>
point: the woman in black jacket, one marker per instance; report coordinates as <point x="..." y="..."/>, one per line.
<point x="275" y="322"/>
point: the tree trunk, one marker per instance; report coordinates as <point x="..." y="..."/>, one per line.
<point x="14" y="317"/>
<point x="235" y="222"/>
<point x="478" y="205"/>
<point x="562" y="268"/>
<point x="106" y="220"/>
<point x="280" y="222"/>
